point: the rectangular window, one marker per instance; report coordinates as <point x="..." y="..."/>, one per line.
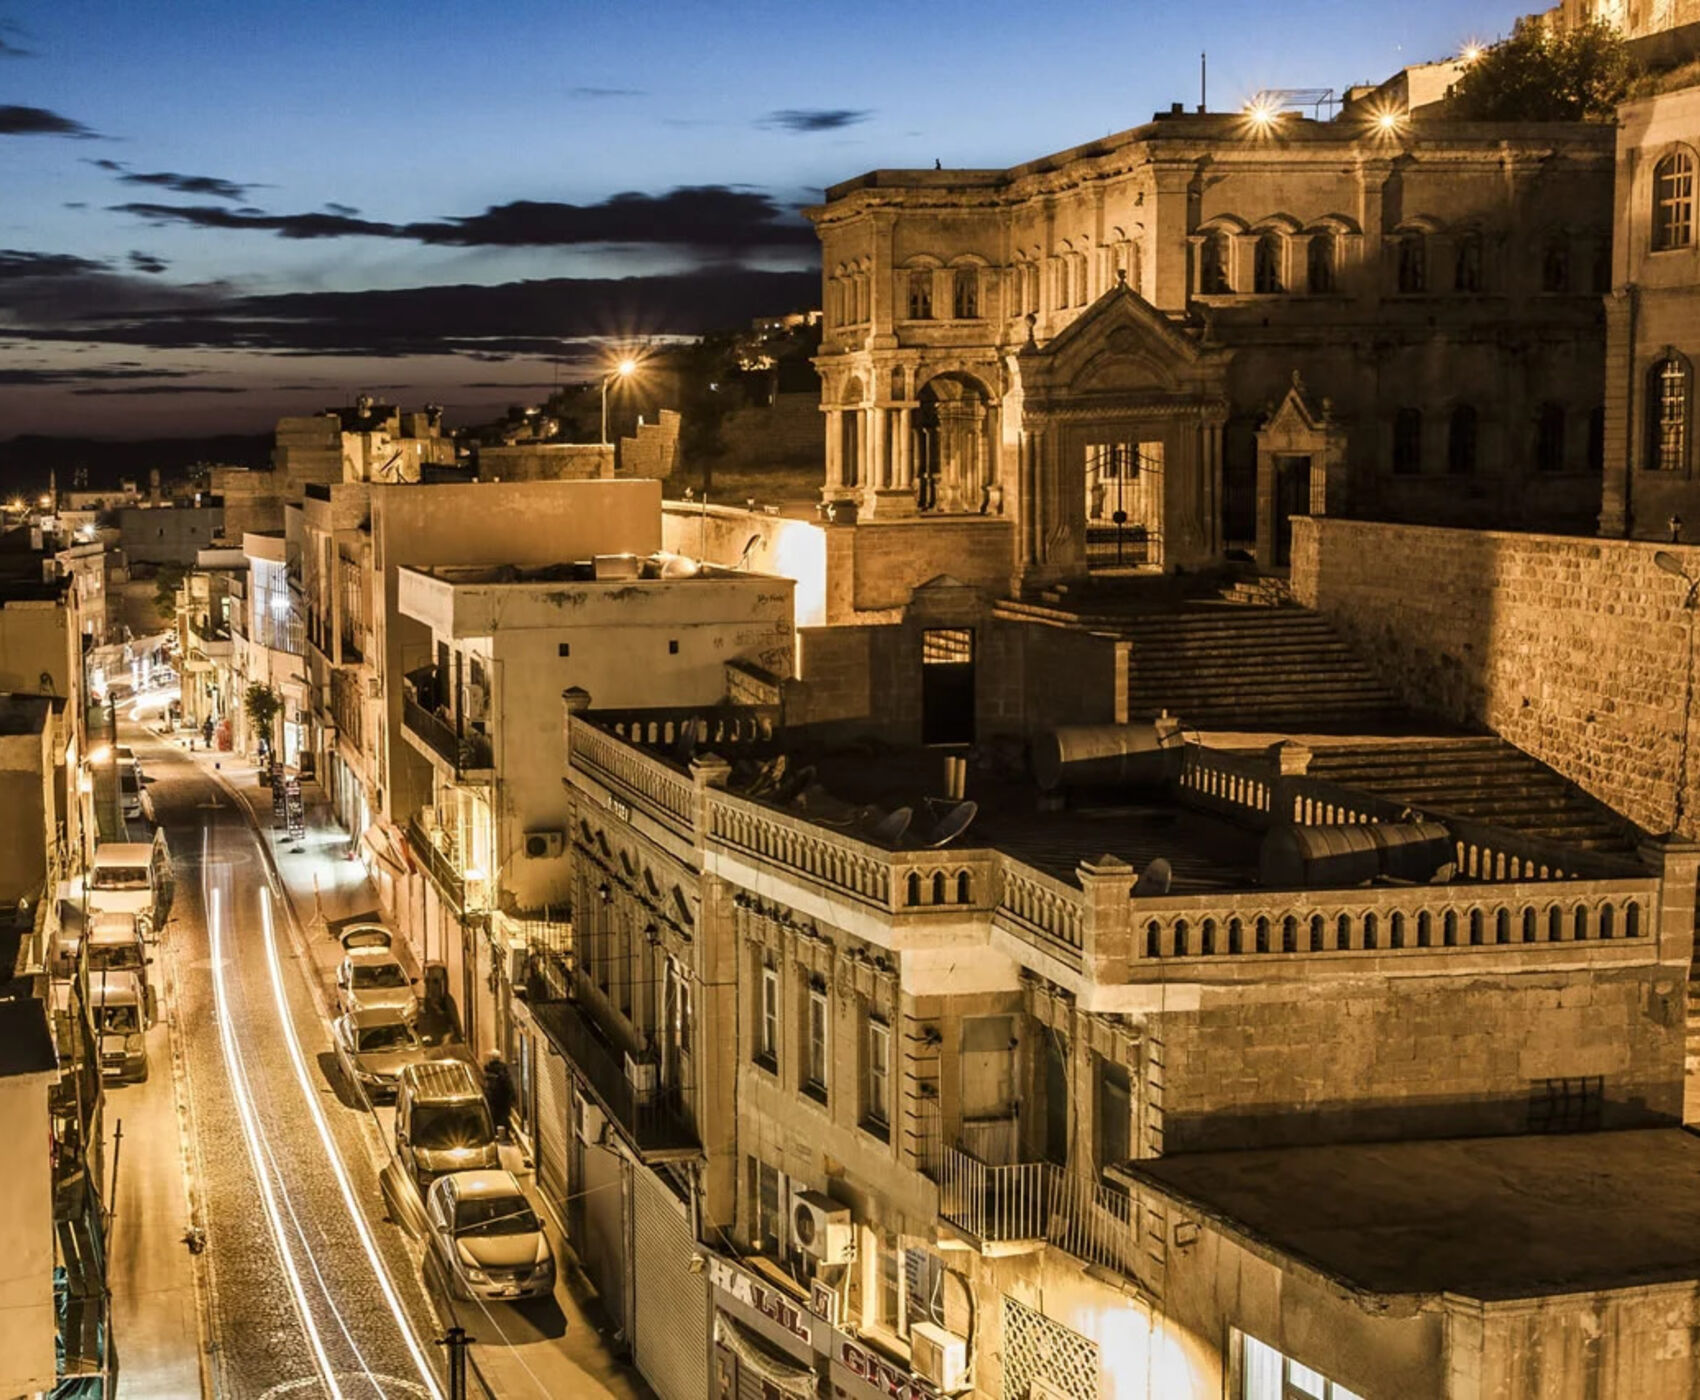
<point x="767" y="1208"/>
<point x="965" y="304"/>
<point x="767" y="1025"/>
<point x="564" y="649"/>
<point x="921" y="294"/>
<point x="815" y="1068"/>
<point x="876" y="1079"/>
<point x="1265" y="1374"/>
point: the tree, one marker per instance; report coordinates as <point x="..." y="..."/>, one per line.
<point x="262" y="704"/>
<point x="1545" y="75"/>
<point x="167" y="579"/>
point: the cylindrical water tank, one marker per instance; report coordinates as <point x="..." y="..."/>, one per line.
<point x="1090" y="754"/>
<point x="1352" y="853"/>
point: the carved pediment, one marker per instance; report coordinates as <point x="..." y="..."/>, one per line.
<point x="1120" y="344"/>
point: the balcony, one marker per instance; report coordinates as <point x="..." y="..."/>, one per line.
<point x="439" y="862"/>
<point x="467" y="755"/>
<point x="654" y="1120"/>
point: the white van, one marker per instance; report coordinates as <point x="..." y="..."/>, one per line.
<point x="130" y="877"/>
<point x="115" y="945"/>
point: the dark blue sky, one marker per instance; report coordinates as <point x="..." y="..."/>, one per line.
<point x="175" y="176"/>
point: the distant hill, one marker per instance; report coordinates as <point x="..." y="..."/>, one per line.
<point x="25" y="461"/>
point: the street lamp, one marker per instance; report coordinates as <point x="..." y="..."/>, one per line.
<point x="1670" y="564"/>
<point x="624" y="370"/>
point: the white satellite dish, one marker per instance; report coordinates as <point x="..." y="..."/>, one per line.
<point x="954" y="822"/>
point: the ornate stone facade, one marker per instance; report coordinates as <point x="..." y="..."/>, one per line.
<point x="1086" y="345"/>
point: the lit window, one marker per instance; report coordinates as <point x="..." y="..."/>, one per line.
<point x="767" y="1030"/>
<point x="877" y="1085"/>
<point x="815" y="1076"/>
<point x="1265" y="1374"/>
<point x="1667" y="416"/>
<point x="1673" y="202"/>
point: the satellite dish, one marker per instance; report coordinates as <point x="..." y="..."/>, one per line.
<point x="890" y="829"/>
<point x="1158" y="876"/>
<point x="680" y="566"/>
<point x="953" y="823"/>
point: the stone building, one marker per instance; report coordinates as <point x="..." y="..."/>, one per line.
<point x="1033" y="373"/>
<point x="946" y="1109"/>
<point x="1652" y="484"/>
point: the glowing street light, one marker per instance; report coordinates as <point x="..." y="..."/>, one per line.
<point x="624" y="370"/>
<point x="1471" y="53"/>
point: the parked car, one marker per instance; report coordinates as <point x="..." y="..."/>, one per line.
<point x="128" y="877"/>
<point x="134" y="799"/>
<point x="373" y="1047"/>
<point x="115" y="945"/>
<point x="370" y="976"/>
<point x="120" y="1019"/>
<point x="126" y="754"/>
<point x="487" y="1238"/>
<point x="442" y="1123"/>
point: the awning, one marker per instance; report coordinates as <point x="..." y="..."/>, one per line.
<point x="387" y="850"/>
<point x="783" y="1374"/>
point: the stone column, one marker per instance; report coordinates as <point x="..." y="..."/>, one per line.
<point x="879" y="420"/>
<point x="834" y="454"/>
<point x="905" y="450"/>
<point x="1213" y="524"/>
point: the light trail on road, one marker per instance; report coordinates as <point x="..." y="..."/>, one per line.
<point x="250" y="1129"/>
<point x="355" y="1214"/>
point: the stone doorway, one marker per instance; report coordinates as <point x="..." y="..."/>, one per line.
<point x="1301" y="470"/>
<point x="947" y="685"/>
<point x="1124" y="506"/>
<point x="1292" y="497"/>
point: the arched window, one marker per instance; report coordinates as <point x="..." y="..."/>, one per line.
<point x="1467" y="264"/>
<point x="1667" y="415"/>
<point x="938" y="887"/>
<point x="1555" y="264"/>
<point x="1213" y="278"/>
<point x="1549" y="438"/>
<point x="964" y="888"/>
<point x="1673" y="202"/>
<point x="1408" y="441"/>
<point x="1181" y="946"/>
<point x="1320" y="263"/>
<point x="1413" y="263"/>
<point x="921" y="294"/>
<point x="965" y="294"/>
<point x="1266" y="277"/>
<point x="1461" y="441"/>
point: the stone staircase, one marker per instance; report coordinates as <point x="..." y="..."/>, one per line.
<point x="1480" y="778"/>
<point x="1234" y="666"/>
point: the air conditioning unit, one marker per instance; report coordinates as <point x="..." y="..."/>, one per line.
<point x="544" y="845"/>
<point x="641" y="1075"/>
<point x="822" y="1228"/>
<point x="938" y="1357"/>
<point x="477" y="703"/>
<point x="519" y="956"/>
<point x="588" y="1122"/>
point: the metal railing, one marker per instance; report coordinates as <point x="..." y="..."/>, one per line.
<point x="465" y="753"/>
<point x="655" y="1120"/>
<point x="439" y="864"/>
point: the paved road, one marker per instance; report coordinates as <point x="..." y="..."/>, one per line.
<point x="311" y="1292"/>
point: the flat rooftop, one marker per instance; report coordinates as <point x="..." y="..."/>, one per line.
<point x="1487" y="1218"/>
<point x="605" y="568"/>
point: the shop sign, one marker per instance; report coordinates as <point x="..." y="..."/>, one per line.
<point x="881" y="1377"/>
<point x="762" y="1298"/>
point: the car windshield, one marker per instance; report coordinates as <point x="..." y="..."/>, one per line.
<point x="120" y="1020"/>
<point x="124" y="956"/>
<point x="128" y="781"/>
<point x="379" y="975"/>
<point x="438" y="1127"/>
<point x="119" y="877"/>
<point x="495" y="1215"/>
<point x="387" y="1037"/>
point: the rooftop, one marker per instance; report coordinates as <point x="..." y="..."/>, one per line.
<point x="604" y="568"/>
<point x="1487" y="1218"/>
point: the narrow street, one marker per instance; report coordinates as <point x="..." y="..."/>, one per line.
<point x="244" y="1131"/>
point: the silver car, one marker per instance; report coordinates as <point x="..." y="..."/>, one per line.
<point x="487" y="1238"/>
<point x="371" y="976"/>
<point x="374" y="1046"/>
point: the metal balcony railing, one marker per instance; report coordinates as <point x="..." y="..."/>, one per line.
<point x="465" y="753"/>
<point x="439" y="864"/>
<point x="655" y="1120"/>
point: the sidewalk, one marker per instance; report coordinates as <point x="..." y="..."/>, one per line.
<point x="535" y="1350"/>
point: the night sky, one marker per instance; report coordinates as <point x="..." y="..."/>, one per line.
<point x="213" y="213"/>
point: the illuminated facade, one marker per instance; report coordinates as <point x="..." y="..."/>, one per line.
<point x="1063" y="367"/>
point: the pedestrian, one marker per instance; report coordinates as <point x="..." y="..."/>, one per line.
<point x="207" y="731"/>
<point x="498" y="1093"/>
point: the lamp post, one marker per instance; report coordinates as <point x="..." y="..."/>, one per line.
<point x="623" y="370"/>
<point x="1670" y="564"/>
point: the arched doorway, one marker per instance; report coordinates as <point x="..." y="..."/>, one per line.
<point x="953" y="446"/>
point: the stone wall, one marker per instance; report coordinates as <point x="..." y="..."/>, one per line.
<point x="546" y="461"/>
<point x="873" y="567"/>
<point x="654" y="451"/>
<point x="1575" y="649"/>
<point x="789" y="432"/>
<point x="1423" y="1057"/>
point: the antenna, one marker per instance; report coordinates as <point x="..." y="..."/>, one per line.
<point x="1155" y="882"/>
<point x="1203" y="83"/>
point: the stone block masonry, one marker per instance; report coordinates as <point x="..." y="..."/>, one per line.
<point x="1577" y="650"/>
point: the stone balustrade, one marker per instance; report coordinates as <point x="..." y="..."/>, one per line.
<point x="647" y="782"/>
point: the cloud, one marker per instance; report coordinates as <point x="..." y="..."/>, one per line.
<point x="809" y="119"/>
<point x="16" y="265"/>
<point x="8" y="48"/>
<point x="213" y="185"/>
<point x="38" y="121"/>
<point x="37" y="377"/>
<point x="164" y="389"/>
<point x="701" y="216"/>
<point x="147" y="262"/>
<point x="596" y="93"/>
<point x="346" y="210"/>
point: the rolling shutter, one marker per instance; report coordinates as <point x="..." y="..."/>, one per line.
<point x="670" y="1329"/>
